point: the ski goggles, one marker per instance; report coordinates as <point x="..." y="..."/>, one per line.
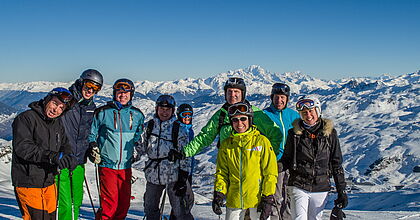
<point x="166" y="101"/>
<point x="186" y="114"/>
<point x="62" y="94"/>
<point x="234" y="81"/>
<point x="238" y="109"/>
<point x="237" y="119"/>
<point x="123" y="86"/>
<point x="92" y="85"/>
<point x="305" y="103"/>
<point x="280" y="88"/>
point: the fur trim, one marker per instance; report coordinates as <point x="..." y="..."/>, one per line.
<point x="326" y="130"/>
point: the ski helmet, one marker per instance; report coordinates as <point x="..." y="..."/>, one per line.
<point x="124" y="85"/>
<point x="237" y="83"/>
<point x="280" y="89"/>
<point x="166" y="101"/>
<point x="93" y="76"/>
<point x="183" y="110"/>
<point x="63" y="94"/>
<point x="309" y="102"/>
<point x="241" y="108"/>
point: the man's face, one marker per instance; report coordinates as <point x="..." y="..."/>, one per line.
<point x="123" y="97"/>
<point x="87" y="92"/>
<point x="233" y="95"/>
<point x="310" y="116"/>
<point x="164" y="113"/>
<point x="279" y="101"/>
<point x="54" y="108"/>
<point x="240" y="123"/>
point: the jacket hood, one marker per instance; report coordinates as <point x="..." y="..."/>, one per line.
<point x="38" y="107"/>
<point x="326" y="130"/>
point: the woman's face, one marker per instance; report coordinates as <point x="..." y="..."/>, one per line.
<point x="240" y="123"/>
<point x="309" y="116"/>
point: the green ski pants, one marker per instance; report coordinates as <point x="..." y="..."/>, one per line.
<point x="66" y="199"/>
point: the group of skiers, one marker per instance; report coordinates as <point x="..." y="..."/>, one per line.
<point x="274" y="163"/>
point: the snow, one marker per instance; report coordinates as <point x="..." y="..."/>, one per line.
<point x="378" y="121"/>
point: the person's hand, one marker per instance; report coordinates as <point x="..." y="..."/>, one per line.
<point x="174" y="155"/>
<point x="217" y="203"/>
<point x="265" y="206"/>
<point x="68" y="161"/>
<point x="94" y="154"/>
<point x="180" y="186"/>
<point x="342" y="200"/>
<point x="337" y="214"/>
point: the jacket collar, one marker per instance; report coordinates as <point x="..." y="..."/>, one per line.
<point x="326" y="130"/>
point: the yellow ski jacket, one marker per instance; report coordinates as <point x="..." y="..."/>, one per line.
<point x="246" y="169"/>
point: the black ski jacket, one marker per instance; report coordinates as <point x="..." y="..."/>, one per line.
<point x="35" y="136"/>
<point x="313" y="158"/>
<point x="77" y="122"/>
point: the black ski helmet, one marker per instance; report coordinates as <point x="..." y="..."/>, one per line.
<point x="280" y="89"/>
<point x="182" y="108"/>
<point x="237" y="83"/>
<point x="92" y="75"/>
<point x="166" y="101"/>
<point x="125" y="85"/>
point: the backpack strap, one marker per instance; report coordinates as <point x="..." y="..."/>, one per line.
<point x="222" y="117"/>
<point x="174" y="135"/>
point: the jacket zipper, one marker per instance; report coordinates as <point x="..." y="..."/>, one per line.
<point x="158" y="148"/>
<point x="121" y="136"/>
<point x="240" y="174"/>
<point x="284" y="130"/>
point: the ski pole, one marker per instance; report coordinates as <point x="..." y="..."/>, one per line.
<point x="90" y="196"/>
<point x="71" y="194"/>
<point x="162" y="204"/>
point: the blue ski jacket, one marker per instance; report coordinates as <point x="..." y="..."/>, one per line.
<point x="284" y="119"/>
<point x="115" y="129"/>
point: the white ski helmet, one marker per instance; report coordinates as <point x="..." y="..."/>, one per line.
<point x="309" y="102"/>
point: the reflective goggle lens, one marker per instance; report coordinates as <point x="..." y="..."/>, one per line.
<point x="122" y="86"/>
<point x="91" y="85"/>
<point x="237" y="119"/>
<point x="305" y="103"/>
<point x="243" y="109"/>
<point x="234" y="81"/>
<point x="186" y="114"/>
<point x="280" y="89"/>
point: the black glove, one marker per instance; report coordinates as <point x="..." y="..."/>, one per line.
<point x="342" y="200"/>
<point x="337" y="214"/>
<point x="94" y="154"/>
<point x="180" y="186"/>
<point x="174" y="155"/>
<point x="217" y="203"/>
<point x="63" y="161"/>
<point x="265" y="206"/>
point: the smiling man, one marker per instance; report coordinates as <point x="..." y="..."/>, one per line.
<point x="115" y="128"/>
<point x="40" y="148"/>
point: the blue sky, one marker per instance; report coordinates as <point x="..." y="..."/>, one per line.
<point x="166" y="40"/>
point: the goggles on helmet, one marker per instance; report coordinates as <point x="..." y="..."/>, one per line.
<point x="123" y="86"/>
<point x="234" y="81"/>
<point x="280" y="88"/>
<point x="305" y="103"/>
<point x="62" y="94"/>
<point x="238" y="109"/>
<point x="166" y="101"/>
<point x="186" y="114"/>
<point x="237" y="119"/>
<point x="92" y="85"/>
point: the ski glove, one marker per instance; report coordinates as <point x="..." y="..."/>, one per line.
<point x="217" y="203"/>
<point x="342" y="200"/>
<point x="94" y="155"/>
<point x="337" y="214"/>
<point x="64" y="161"/>
<point x="174" y="155"/>
<point x="180" y="186"/>
<point x="265" y="206"/>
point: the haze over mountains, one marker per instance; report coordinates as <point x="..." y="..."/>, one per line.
<point x="378" y="121"/>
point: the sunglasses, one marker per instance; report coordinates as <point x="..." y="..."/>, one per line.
<point x="124" y="86"/>
<point x="305" y="103"/>
<point x="237" y="119"/>
<point x="186" y="114"/>
<point x="238" y="108"/>
<point x="92" y="85"/>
